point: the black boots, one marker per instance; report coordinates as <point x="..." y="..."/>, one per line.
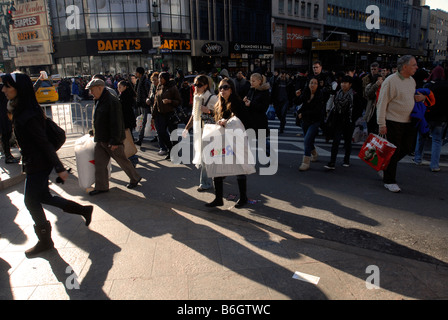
<point x="44" y="232"/>
<point x="75" y="208"/>
<point x="219" y="186"/>
<point x="45" y="243"/>
<point x="242" y="186"/>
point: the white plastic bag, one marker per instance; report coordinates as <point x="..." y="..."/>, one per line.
<point x="85" y="161"/>
<point x="226" y="150"/>
<point x="150" y="130"/>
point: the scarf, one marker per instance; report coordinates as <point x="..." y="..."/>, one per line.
<point x="197" y="130"/>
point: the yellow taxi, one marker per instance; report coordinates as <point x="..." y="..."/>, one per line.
<point x="47" y="92"/>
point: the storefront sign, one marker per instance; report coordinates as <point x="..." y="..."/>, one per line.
<point x="294" y="39"/>
<point x="238" y="47"/>
<point x="31" y="34"/>
<point x="212" y="48"/>
<point x="120" y="45"/>
<point x="26" y="22"/>
<point x="174" y="45"/>
<point x="326" y="45"/>
<point x="202" y="48"/>
<point x="28" y="35"/>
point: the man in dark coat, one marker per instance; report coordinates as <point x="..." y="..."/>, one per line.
<point x="5" y="128"/>
<point x="143" y="87"/>
<point x="108" y="125"/>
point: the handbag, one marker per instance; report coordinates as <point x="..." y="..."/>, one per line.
<point x="129" y="147"/>
<point x="174" y="119"/>
<point x="271" y="113"/>
<point x="55" y="134"/>
<point x="377" y="152"/>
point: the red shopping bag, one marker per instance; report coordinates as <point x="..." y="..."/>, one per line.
<point x="376" y="152"/>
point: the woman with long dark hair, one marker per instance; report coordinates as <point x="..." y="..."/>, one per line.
<point x="39" y="158"/>
<point x="311" y="115"/>
<point x="127" y="98"/>
<point x="229" y="104"/>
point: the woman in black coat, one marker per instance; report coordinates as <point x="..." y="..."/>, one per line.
<point x="127" y="98"/>
<point x="257" y="103"/>
<point x="39" y="158"/>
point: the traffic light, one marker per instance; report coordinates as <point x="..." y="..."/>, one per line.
<point x="9" y="19"/>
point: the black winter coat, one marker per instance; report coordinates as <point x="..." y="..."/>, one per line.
<point x="142" y="89"/>
<point x="128" y="103"/>
<point x="108" y="121"/>
<point x="259" y="104"/>
<point x="312" y="111"/>
<point x="438" y="113"/>
<point x="38" y="154"/>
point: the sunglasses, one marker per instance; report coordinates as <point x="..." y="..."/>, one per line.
<point x="224" y="87"/>
<point x="198" y="85"/>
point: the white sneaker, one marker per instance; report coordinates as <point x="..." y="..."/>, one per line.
<point x="393" y="187"/>
<point x="381" y="174"/>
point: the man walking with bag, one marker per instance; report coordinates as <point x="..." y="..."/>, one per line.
<point x="109" y="135"/>
<point x="395" y="104"/>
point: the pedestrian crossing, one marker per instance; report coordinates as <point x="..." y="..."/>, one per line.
<point x="291" y="142"/>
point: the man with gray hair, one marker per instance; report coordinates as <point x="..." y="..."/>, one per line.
<point x="109" y="134"/>
<point x="395" y="104"/>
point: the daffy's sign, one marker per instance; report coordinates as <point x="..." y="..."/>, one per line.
<point x="119" y="45"/>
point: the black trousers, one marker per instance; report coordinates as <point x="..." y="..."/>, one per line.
<point x="37" y="193"/>
<point x="403" y="136"/>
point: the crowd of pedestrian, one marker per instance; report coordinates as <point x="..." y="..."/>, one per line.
<point x="383" y="99"/>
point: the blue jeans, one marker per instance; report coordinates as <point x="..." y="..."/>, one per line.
<point x="310" y="131"/>
<point x="437" y="134"/>
<point x="204" y="181"/>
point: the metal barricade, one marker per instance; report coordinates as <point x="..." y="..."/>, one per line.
<point x="73" y="117"/>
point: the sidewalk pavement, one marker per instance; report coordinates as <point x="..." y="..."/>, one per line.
<point x="140" y="248"/>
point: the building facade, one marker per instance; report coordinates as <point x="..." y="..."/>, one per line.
<point x="117" y="36"/>
<point x="294" y="24"/>
<point x="231" y="34"/>
<point x="438" y="33"/>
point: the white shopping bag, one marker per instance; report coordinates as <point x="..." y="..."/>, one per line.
<point x="85" y="161"/>
<point x="226" y="150"/>
<point x="150" y="130"/>
<point x="139" y="126"/>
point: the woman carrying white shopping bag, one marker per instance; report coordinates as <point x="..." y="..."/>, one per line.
<point x="202" y="113"/>
<point x="229" y="105"/>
